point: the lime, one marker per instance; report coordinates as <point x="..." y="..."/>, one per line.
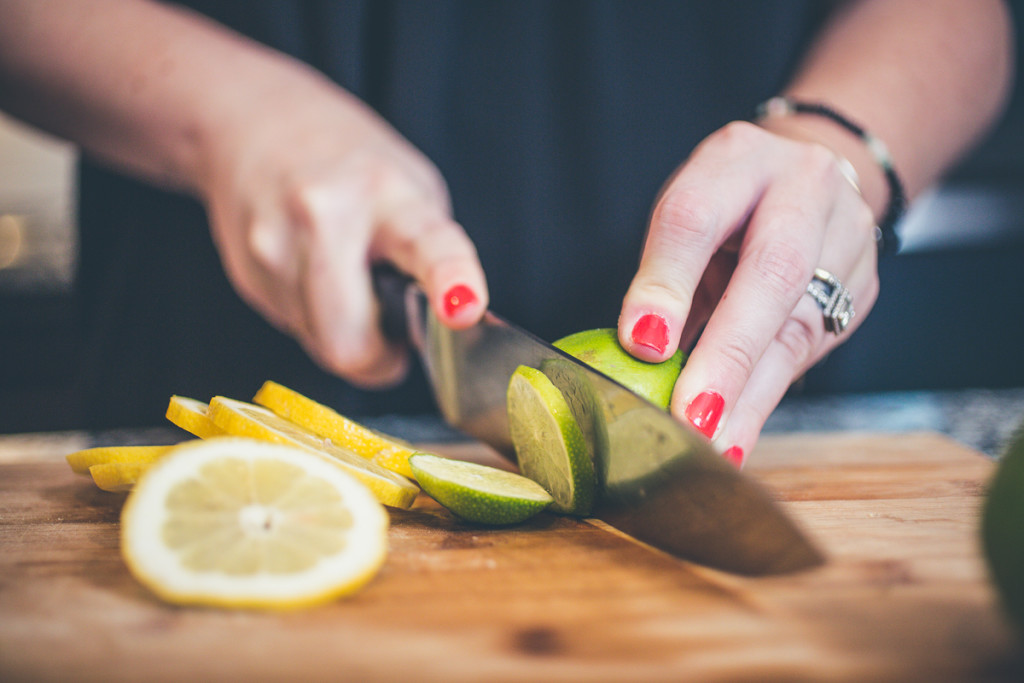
<point x="478" y="493"/>
<point x="600" y="349"/>
<point x="549" y="445"/>
<point x="244" y="523"/>
<point x="1002" y="529"/>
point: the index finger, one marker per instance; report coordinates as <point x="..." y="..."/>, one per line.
<point x="710" y="198"/>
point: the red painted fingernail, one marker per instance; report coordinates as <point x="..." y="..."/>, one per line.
<point x="457" y="298"/>
<point x="734" y="455"/>
<point x="651" y="331"/>
<point x="705" y="411"/>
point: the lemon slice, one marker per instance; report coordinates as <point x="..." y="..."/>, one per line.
<point x="243" y="523"/>
<point x="549" y="444"/>
<point x="478" y="493"/>
<point x="329" y="424"/>
<point x="118" y="477"/>
<point x="239" y="418"/>
<point x="191" y="415"/>
<point x="82" y="461"/>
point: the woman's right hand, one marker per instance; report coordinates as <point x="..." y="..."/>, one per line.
<point x="306" y="187"/>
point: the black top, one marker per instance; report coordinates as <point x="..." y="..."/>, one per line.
<point x="554" y="123"/>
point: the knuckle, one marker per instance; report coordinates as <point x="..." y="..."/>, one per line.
<point x="737" y="355"/>
<point x="783" y="268"/>
<point x="739" y="135"/>
<point x="684" y="217"/>
<point x="799" y="338"/>
<point x="818" y="166"/>
<point x="265" y="247"/>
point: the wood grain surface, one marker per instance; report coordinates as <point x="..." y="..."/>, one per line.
<point x="904" y="595"/>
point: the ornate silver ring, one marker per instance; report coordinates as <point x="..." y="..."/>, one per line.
<point x="835" y="300"/>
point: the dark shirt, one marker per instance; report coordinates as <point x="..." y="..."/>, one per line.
<point x="554" y="123"/>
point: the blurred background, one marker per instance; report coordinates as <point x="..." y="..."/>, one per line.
<point x="950" y="316"/>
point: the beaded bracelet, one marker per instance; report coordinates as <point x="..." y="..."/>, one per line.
<point x="885" y="232"/>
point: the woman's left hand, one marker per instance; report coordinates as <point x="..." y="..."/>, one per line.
<point x="733" y="242"/>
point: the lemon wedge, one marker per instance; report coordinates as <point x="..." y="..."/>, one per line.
<point x="329" y="424"/>
<point x="191" y="415"/>
<point x="244" y="523"/>
<point x="239" y="418"/>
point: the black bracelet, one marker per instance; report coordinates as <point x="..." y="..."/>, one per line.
<point x="888" y="240"/>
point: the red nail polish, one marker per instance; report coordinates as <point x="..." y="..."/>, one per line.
<point x="705" y="411"/>
<point x="457" y="298"/>
<point x="734" y="455"/>
<point x="651" y="331"/>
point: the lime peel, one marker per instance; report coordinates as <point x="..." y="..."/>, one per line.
<point x="479" y="493"/>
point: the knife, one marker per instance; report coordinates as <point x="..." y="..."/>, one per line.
<point x="658" y="480"/>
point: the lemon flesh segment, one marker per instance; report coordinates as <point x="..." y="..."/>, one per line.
<point x="244" y="523"/>
<point x="239" y="418"/>
<point x="81" y="461"/>
<point x="549" y="445"/>
<point x="327" y="423"/>
<point x="118" y="477"/>
<point x="478" y="493"/>
<point x="192" y="416"/>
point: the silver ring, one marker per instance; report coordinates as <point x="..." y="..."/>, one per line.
<point x="835" y="300"/>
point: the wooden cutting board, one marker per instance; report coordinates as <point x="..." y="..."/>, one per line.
<point x="903" y="597"/>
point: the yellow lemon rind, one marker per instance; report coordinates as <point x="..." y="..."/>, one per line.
<point x="81" y="461"/>
<point x="140" y="528"/>
<point x="192" y="415"/>
<point x="240" y="418"/>
<point x="327" y="423"/>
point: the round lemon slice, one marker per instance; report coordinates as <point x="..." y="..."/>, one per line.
<point x="244" y="523"/>
<point x="478" y="493"/>
<point x="239" y="418"/>
<point x="191" y="415"/>
<point x="550" y="447"/>
<point x="329" y="424"/>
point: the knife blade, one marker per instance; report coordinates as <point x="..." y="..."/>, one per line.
<point x="658" y="480"/>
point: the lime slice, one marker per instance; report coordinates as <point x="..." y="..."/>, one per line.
<point x="549" y="445"/>
<point x="191" y="415"/>
<point x="327" y="423"/>
<point x="245" y="419"/>
<point x="82" y="461"/>
<point x="243" y="523"/>
<point x="478" y="493"/>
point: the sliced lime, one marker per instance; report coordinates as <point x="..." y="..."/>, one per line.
<point x="478" y="493"/>
<point x="549" y="444"/>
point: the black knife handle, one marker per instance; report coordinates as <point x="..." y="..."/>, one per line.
<point x="390" y="286"/>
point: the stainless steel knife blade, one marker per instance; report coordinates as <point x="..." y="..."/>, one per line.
<point x="658" y="480"/>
